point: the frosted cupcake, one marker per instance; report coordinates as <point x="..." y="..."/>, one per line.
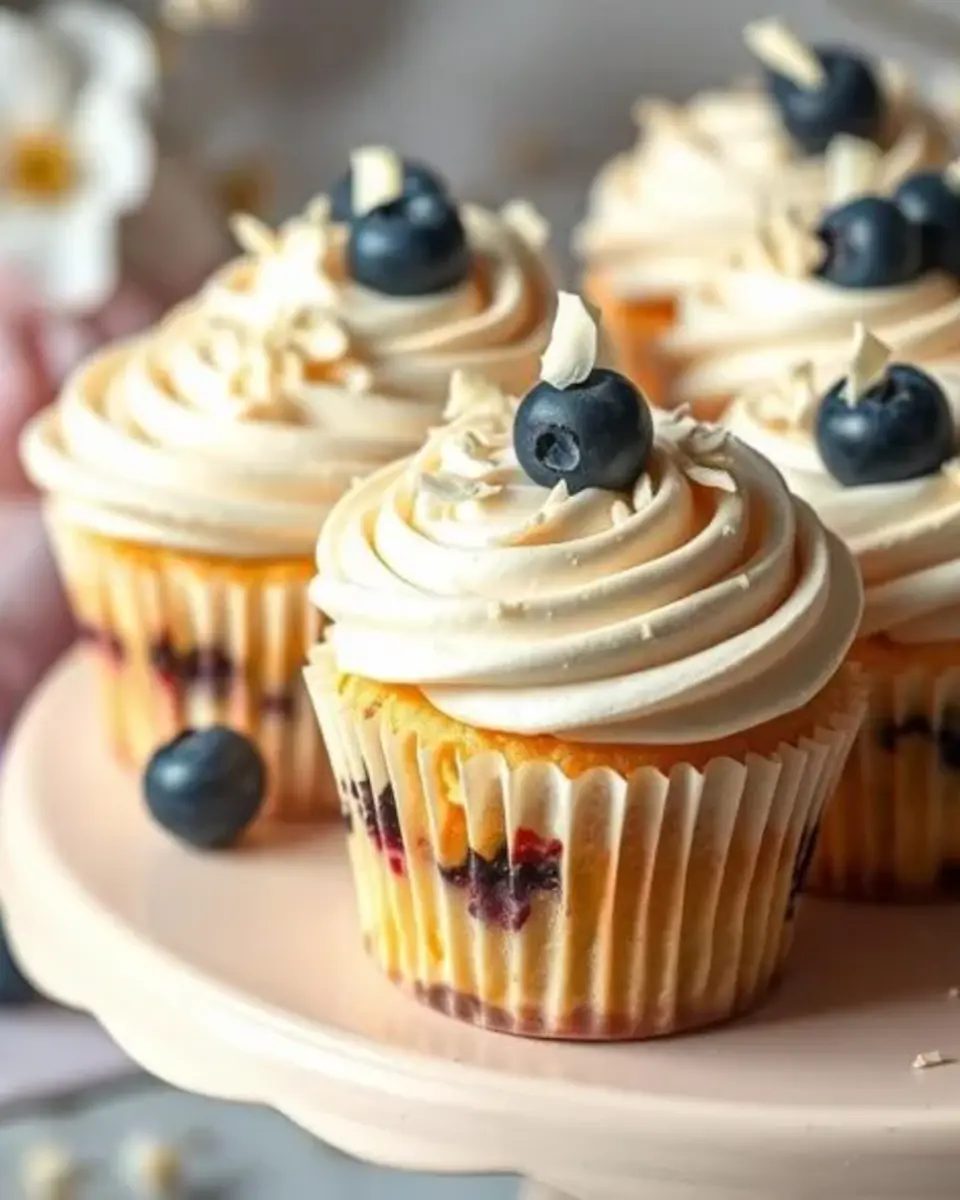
<point x="186" y="474"/>
<point x="583" y="696"/>
<point x="661" y="215"/>
<point x="875" y="454"/>
<point x="791" y="292"/>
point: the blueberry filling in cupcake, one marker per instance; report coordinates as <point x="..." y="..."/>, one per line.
<point x="378" y="813"/>
<point x="501" y="890"/>
<point x="105" y="641"/>
<point x="946" y="737"/>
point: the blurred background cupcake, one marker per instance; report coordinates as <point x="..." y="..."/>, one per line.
<point x="583" y="696"/>
<point x="875" y="453"/>
<point x="661" y="216"/>
<point x="186" y="473"/>
<point x="790" y="292"/>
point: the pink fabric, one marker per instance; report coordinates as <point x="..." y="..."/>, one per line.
<point x="36" y="351"/>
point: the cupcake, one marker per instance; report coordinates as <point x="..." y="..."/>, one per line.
<point x="186" y="474"/>
<point x="791" y="292"/>
<point x="876" y="456"/>
<point x="661" y="215"/>
<point x="583" y="694"/>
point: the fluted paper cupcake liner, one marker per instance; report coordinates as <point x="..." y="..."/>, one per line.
<point x="598" y="907"/>
<point x="183" y="643"/>
<point x="892" y="830"/>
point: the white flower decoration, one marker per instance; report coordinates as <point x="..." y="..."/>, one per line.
<point x="76" y="149"/>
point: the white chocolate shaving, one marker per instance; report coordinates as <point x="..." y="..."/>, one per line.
<point x="453" y="490"/>
<point x="151" y="1168"/>
<point x="253" y="235"/>
<point x="49" y="1173"/>
<point x="868" y="362"/>
<point x="559" y="494"/>
<point x="951" y="176"/>
<point x="778" y="48"/>
<point x="699" y="450"/>
<point x="620" y="511"/>
<point x="932" y="1058"/>
<point x="526" y="222"/>
<point x="572" y="352"/>
<point x="377" y="178"/>
<point x="853" y="168"/>
<point x="474" y="395"/>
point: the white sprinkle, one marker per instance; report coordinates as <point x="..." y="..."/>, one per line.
<point x="743" y="582"/>
<point x="572" y="351"/>
<point x="620" y="511"/>
<point x="932" y="1058"/>
<point x="646" y="633"/>
<point x="49" y="1173"/>
<point x="728" y="531"/>
<point x="151" y="1168"/>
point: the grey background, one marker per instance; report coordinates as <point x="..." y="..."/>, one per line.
<point x="506" y="96"/>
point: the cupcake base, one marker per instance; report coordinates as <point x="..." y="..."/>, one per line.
<point x="892" y="831"/>
<point x="184" y="641"/>
<point x="633" y="327"/>
<point x="569" y="891"/>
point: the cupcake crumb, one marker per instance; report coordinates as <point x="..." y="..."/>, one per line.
<point x="932" y="1058"/>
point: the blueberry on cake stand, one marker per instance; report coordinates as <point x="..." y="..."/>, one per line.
<point x="240" y="975"/>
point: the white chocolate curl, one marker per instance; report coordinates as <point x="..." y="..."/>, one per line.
<point x="782" y="51"/>
<point x="572" y="352"/>
<point x="377" y="178"/>
<point x="867" y="364"/>
<point x="853" y="168"/>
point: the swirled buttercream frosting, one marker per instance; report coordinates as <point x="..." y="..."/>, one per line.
<point x="905" y="534"/>
<point x="234" y="426"/>
<point x="662" y="214"/>
<point x="700" y="602"/>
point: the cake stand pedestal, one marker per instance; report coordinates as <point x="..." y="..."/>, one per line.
<point x="241" y="976"/>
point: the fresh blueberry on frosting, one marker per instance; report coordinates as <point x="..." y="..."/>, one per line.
<point x="870" y="243"/>
<point x="582" y="425"/>
<point x="820" y="91"/>
<point x="418" y="179"/>
<point x="403" y="245"/>
<point x="884" y="422"/>
<point x="931" y="200"/>
<point x="206" y="787"/>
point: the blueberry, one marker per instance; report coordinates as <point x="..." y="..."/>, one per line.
<point x="14" y="988"/>
<point x="849" y="102"/>
<point x="869" y="243"/>
<point x="932" y="203"/>
<point x="414" y="246"/>
<point x="205" y="787"/>
<point x="595" y="434"/>
<point x="418" y="179"/>
<point x="899" y="429"/>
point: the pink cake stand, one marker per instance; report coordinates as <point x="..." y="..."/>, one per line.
<point x="241" y="976"/>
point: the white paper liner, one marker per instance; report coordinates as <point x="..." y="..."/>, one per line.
<point x="892" y="830"/>
<point x="674" y="894"/>
<point x="255" y="632"/>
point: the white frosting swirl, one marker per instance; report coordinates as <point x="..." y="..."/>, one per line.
<point x="235" y="425"/>
<point x="661" y="215"/>
<point x="905" y="535"/>
<point x="705" y="602"/>
<point x="753" y="323"/>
